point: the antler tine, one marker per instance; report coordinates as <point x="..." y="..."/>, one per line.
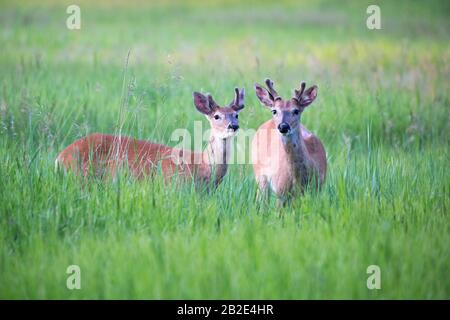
<point x="298" y="93"/>
<point x="236" y="96"/>
<point x="235" y="101"/>
<point x="269" y="84"/>
<point x="238" y="101"/>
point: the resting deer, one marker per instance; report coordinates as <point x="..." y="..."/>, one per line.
<point x="101" y="153"/>
<point x="286" y="156"/>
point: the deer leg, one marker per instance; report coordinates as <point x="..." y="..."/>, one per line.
<point x="263" y="192"/>
<point x="284" y="201"/>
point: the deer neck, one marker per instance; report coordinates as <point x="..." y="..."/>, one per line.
<point x="216" y="158"/>
<point x="297" y="155"/>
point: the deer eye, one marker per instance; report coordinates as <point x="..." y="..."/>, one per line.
<point x="216" y="116"/>
<point x="237" y="116"/>
<point x="274" y="112"/>
<point x="296" y="112"/>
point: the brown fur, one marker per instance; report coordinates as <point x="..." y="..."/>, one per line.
<point x="274" y="166"/>
<point x="103" y="154"/>
<point x="286" y="156"/>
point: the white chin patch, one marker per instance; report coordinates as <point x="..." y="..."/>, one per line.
<point x="227" y="134"/>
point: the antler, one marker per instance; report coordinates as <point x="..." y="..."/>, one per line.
<point x="236" y="97"/>
<point x="238" y="102"/>
<point x="305" y="97"/>
<point x="299" y="92"/>
<point x="273" y="93"/>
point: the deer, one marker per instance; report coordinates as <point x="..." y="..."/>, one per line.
<point x="103" y="154"/>
<point x="286" y="156"/>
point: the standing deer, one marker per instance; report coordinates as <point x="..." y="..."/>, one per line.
<point x="286" y="156"/>
<point x="101" y="153"/>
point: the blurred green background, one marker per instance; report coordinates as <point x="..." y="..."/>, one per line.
<point x="382" y="113"/>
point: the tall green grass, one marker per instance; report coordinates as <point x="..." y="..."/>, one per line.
<point x="382" y="114"/>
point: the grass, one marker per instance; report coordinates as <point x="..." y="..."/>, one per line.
<point x="382" y="114"/>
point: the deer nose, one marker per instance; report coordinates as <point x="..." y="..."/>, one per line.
<point x="284" y="127"/>
<point x="233" y="127"/>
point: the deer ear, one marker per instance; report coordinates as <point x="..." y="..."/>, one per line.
<point x="308" y="96"/>
<point x="264" y="96"/>
<point x="238" y="103"/>
<point x="212" y="104"/>
<point x="201" y="102"/>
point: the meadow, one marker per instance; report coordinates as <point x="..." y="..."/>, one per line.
<point x="382" y="112"/>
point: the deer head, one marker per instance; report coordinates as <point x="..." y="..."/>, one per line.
<point x="286" y="113"/>
<point x="224" y="120"/>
